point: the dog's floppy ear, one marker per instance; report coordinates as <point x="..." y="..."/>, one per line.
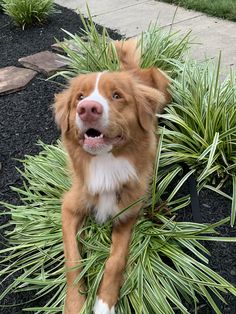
<point x="152" y="95"/>
<point x="61" y="109"/>
<point x="157" y="79"/>
<point x="148" y="101"/>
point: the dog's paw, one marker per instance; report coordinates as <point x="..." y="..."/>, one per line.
<point x="101" y="307"/>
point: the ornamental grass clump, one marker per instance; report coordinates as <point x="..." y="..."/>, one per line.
<point x="167" y="266"/>
<point x="161" y="48"/>
<point x="200" y="126"/>
<point x="94" y="51"/>
<point x="89" y="51"/>
<point x="1" y="3"/>
<point x="28" y="12"/>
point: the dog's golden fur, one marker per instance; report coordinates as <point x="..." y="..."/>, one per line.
<point x="142" y="93"/>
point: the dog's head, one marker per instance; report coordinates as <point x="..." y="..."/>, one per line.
<point x="104" y="111"/>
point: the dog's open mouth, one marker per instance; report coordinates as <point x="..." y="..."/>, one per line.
<point x="93" y="133"/>
<point x="95" y="139"/>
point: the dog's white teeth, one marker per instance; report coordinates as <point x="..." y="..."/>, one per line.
<point x="94" y="137"/>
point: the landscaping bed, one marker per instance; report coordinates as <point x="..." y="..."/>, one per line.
<point x="26" y="117"/>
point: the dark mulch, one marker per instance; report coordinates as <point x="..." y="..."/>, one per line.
<point x="214" y="208"/>
<point x="26" y="117"/>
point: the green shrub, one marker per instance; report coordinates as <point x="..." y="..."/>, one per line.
<point x="97" y="53"/>
<point x="150" y="283"/>
<point x="161" y="48"/>
<point x="1" y="7"/>
<point x="28" y="12"/>
<point x="200" y="126"/>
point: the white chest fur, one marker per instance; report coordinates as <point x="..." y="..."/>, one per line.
<point x="106" y="175"/>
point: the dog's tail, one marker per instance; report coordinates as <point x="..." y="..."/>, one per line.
<point x="128" y="53"/>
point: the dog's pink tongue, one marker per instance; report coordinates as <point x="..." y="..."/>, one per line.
<point x="93" y="141"/>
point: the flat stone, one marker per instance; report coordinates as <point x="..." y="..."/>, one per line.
<point x="57" y="47"/>
<point x="13" y="79"/>
<point x="44" y="62"/>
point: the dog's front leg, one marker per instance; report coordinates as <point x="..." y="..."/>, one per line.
<point x="112" y="279"/>
<point x="72" y="218"/>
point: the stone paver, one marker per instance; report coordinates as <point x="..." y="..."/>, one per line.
<point x="130" y="17"/>
<point x="13" y="79"/>
<point x="45" y="62"/>
<point x="58" y="49"/>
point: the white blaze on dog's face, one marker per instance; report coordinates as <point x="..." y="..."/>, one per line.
<point x="105" y="111"/>
<point x="92" y="119"/>
<point x="101" y="115"/>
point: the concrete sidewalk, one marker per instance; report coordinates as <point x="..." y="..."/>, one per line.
<point x="131" y="17"/>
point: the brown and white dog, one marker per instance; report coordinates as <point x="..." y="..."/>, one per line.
<point x="107" y="122"/>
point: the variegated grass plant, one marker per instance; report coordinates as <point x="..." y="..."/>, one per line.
<point x="28" y="12"/>
<point x="1" y="8"/>
<point x="94" y="51"/>
<point x="161" y="48"/>
<point x="200" y="126"/>
<point x="167" y="266"/>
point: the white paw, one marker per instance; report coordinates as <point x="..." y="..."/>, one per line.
<point x="101" y="307"/>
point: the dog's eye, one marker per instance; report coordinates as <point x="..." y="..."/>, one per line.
<point x="80" y="96"/>
<point x="116" y="95"/>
